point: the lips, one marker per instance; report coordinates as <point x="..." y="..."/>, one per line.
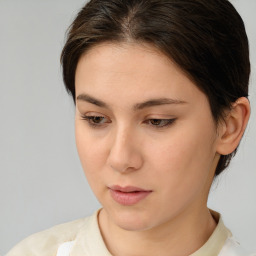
<point x="128" y="195"/>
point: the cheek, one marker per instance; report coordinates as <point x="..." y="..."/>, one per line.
<point x="90" y="151"/>
<point x="184" y="160"/>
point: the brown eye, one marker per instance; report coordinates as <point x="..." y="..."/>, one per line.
<point x="96" y="119"/>
<point x="155" y="121"/>
<point x="159" y="123"/>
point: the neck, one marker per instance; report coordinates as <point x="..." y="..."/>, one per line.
<point x="191" y="228"/>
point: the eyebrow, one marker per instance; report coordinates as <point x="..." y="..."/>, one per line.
<point x="138" y="106"/>
<point x="92" y="100"/>
<point x="157" y="102"/>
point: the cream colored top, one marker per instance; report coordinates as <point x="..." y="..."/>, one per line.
<point x="83" y="238"/>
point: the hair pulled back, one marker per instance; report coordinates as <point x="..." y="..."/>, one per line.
<point x="205" y="38"/>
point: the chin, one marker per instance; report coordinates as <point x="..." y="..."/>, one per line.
<point x="132" y="221"/>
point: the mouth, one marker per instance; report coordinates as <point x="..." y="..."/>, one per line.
<point x="128" y="195"/>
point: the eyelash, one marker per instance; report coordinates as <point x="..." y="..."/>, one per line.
<point x="91" y="119"/>
<point x="167" y="122"/>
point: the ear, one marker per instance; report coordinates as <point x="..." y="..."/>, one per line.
<point x="232" y="129"/>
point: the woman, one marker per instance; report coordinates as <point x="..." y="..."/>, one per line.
<point x="160" y="89"/>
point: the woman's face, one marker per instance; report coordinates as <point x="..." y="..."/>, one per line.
<point x="145" y="135"/>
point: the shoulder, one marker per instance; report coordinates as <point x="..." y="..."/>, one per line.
<point x="46" y="243"/>
<point x="233" y="248"/>
<point x="223" y="241"/>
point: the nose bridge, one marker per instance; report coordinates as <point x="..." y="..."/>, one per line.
<point x="124" y="153"/>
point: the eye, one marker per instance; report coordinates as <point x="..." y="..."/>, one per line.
<point x="96" y="121"/>
<point x="160" y="123"/>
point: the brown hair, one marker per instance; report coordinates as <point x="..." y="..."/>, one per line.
<point x="205" y="38"/>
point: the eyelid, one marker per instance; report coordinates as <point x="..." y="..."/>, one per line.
<point x="89" y="117"/>
<point x="166" y="122"/>
<point x="98" y="120"/>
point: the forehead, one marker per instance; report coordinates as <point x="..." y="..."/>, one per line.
<point x="132" y="71"/>
<point x="126" y="58"/>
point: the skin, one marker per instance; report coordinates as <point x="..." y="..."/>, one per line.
<point x="134" y="147"/>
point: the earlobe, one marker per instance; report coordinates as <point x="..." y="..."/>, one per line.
<point x="233" y="127"/>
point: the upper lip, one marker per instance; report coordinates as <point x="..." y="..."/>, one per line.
<point x="128" y="189"/>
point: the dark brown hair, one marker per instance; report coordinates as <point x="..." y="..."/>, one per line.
<point x="205" y="38"/>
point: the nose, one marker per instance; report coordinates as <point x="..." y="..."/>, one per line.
<point x="125" y="154"/>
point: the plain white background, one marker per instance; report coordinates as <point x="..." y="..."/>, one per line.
<point x="42" y="182"/>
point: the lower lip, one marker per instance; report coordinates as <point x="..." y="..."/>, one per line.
<point x="128" y="198"/>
